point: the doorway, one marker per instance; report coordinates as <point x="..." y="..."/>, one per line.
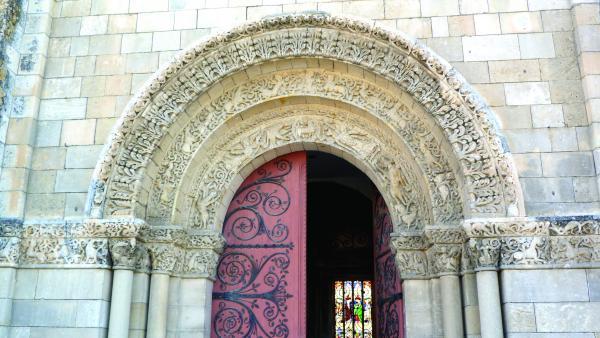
<point x="339" y="248"/>
<point x="307" y="255"/>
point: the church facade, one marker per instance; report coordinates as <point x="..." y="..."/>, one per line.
<point x="156" y="154"/>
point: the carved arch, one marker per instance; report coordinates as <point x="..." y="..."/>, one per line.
<point x="484" y="162"/>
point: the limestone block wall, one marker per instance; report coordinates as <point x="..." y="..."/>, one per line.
<point x="551" y="303"/>
<point x="61" y="303"/>
<point x="82" y="60"/>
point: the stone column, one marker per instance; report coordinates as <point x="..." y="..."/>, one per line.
<point x="121" y="251"/>
<point x="139" y="298"/>
<point x="195" y="290"/>
<point x="444" y="258"/>
<point x="164" y="258"/>
<point x="470" y="304"/>
<point x="411" y="261"/>
<point x="486" y="252"/>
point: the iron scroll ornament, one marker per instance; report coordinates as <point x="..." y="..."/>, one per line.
<point x="254" y="268"/>
<point x="266" y="194"/>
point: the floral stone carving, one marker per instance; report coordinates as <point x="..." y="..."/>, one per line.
<point x="460" y="112"/>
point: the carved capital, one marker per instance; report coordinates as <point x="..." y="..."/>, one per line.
<point x="10" y="251"/>
<point x="412" y="264"/>
<point x="200" y="263"/>
<point x="142" y="258"/>
<point x="444" y="259"/>
<point x="485" y="253"/>
<point x="164" y="258"/>
<point x="122" y="252"/>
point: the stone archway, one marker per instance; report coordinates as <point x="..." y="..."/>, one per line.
<point x="390" y="106"/>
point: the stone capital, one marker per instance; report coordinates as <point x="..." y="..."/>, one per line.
<point x="164" y="258"/>
<point x="485" y="253"/>
<point x="122" y="252"/>
<point x="444" y="259"/>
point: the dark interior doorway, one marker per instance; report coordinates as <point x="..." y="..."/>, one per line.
<point x="339" y="235"/>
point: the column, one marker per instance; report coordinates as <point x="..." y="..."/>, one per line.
<point x="157" y="308"/>
<point x="470" y="304"/>
<point x="121" y="251"/>
<point x="164" y="259"/>
<point x="444" y="260"/>
<point x="139" y="305"/>
<point x="120" y="303"/>
<point x="490" y="313"/>
<point x="411" y="262"/>
<point x="139" y="297"/>
<point x="485" y="253"/>
<point x="451" y="306"/>
<point x="195" y="288"/>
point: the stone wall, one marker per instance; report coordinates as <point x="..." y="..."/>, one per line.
<point x="75" y="64"/>
<point x="81" y="61"/>
<point x="551" y="303"/>
<point x="61" y="303"/>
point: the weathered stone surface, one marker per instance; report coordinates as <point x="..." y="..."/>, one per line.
<point x="522" y="286"/>
<point x="568" y="317"/>
<point x="519" y="317"/>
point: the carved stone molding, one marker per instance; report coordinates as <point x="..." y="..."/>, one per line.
<point x="536" y="242"/>
<point x="420" y="135"/>
<point x="74" y="242"/>
<point x="122" y="253"/>
<point x="178" y="252"/>
<point x="460" y="112"/>
<point x="210" y="181"/>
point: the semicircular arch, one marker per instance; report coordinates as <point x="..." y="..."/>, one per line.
<point x="485" y="165"/>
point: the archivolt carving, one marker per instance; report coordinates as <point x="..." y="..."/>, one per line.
<point x="465" y="119"/>
<point x="416" y="132"/>
<point x="407" y="197"/>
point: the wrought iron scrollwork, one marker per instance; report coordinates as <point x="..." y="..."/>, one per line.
<point x="251" y="290"/>
<point x="266" y="195"/>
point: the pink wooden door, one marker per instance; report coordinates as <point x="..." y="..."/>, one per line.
<point x="260" y="290"/>
<point x="389" y="316"/>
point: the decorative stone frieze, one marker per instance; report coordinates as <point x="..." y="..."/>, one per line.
<point x="71" y="243"/>
<point x="541" y="242"/>
<point x="122" y="253"/>
<point x="488" y="173"/>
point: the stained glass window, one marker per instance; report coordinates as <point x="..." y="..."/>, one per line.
<point x="353" y="304"/>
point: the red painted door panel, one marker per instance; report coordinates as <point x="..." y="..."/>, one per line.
<point x="260" y="290"/>
<point x="388" y="286"/>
